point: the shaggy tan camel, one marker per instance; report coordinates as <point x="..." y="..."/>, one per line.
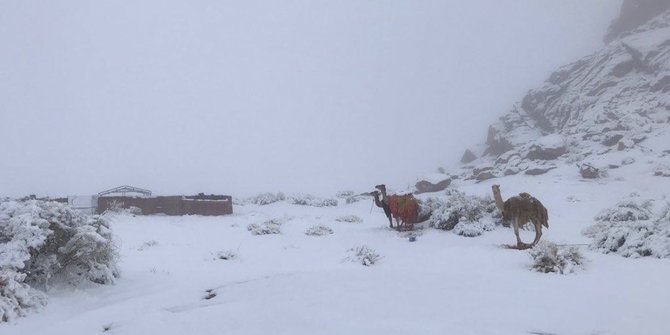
<point x="519" y="210"/>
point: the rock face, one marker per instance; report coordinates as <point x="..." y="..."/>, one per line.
<point x="633" y="14"/>
<point x="425" y="186"/>
<point x="468" y="157"/>
<point x="610" y="101"/>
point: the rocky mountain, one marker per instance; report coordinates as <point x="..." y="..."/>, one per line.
<point x="593" y="113"/>
<point x="634" y="13"/>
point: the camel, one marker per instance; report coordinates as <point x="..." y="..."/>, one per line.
<point x="404" y="208"/>
<point x="519" y="210"/>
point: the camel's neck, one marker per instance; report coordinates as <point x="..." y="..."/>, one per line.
<point x="377" y="202"/>
<point x="383" y="194"/>
<point x="499" y="201"/>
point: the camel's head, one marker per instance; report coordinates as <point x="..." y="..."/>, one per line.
<point x="381" y="187"/>
<point x="496" y="189"/>
<point x="374" y="193"/>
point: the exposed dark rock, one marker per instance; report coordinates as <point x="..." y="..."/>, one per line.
<point x="639" y="139"/>
<point x="611" y="139"/>
<point x="468" y="157"/>
<point x="497" y="144"/>
<point x="511" y="172"/>
<point x="662" y="85"/>
<point x="589" y="171"/>
<point x="538" y="153"/>
<point x="634" y="13"/>
<point x="623" y="68"/>
<point x="485" y="176"/>
<point x="539" y="171"/>
<point x="427" y="187"/>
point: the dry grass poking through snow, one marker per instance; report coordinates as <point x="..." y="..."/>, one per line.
<point x="364" y="255"/>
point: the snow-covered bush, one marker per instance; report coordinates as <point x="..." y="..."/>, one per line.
<point x="364" y="255"/>
<point x="467" y="215"/>
<point x="16" y="297"/>
<point x="662" y="170"/>
<point x="474" y="228"/>
<point x="310" y="200"/>
<point x="318" y="230"/>
<point x="549" y="257"/>
<point x="117" y="208"/>
<point x="349" y="196"/>
<point x="355" y="199"/>
<point x="266" y="228"/>
<point x="631" y="229"/>
<point x="344" y="194"/>
<point x="349" y="219"/>
<point x="266" y="198"/>
<point x="43" y="242"/>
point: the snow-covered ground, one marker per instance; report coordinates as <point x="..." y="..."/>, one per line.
<point x="292" y="283"/>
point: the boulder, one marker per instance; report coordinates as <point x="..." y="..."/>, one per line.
<point x="497" y="144"/>
<point x="425" y="186"/>
<point x="611" y="139"/>
<point x="485" y="176"/>
<point x="468" y="157"/>
<point x="547" y="148"/>
<point x="589" y="171"/>
<point x="511" y="171"/>
<point x="538" y="171"/>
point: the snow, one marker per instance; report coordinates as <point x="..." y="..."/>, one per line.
<point x="291" y="283"/>
<point x="552" y="141"/>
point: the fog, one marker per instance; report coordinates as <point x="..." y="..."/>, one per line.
<point x="238" y="97"/>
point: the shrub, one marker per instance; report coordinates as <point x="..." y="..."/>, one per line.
<point x="116" y="208"/>
<point x="364" y="255"/>
<point x="310" y="200"/>
<point x="344" y="194"/>
<point x="549" y="257"/>
<point x="472" y="215"/>
<point x="266" y="198"/>
<point x="474" y="228"/>
<point x="43" y="242"/>
<point x="349" y="219"/>
<point x="318" y="230"/>
<point x="16" y="297"/>
<point x="631" y="229"/>
<point x="266" y="228"/>
<point x="354" y="199"/>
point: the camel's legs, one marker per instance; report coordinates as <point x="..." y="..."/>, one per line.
<point x="515" y="224"/>
<point x="538" y="233"/>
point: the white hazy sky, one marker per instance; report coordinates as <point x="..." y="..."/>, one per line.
<point x="238" y="97"/>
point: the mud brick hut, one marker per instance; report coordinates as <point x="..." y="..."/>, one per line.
<point x="200" y="204"/>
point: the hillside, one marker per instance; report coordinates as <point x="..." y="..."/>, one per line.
<point x="602" y="110"/>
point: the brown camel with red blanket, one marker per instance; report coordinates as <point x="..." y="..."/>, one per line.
<point x="403" y="208"/>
